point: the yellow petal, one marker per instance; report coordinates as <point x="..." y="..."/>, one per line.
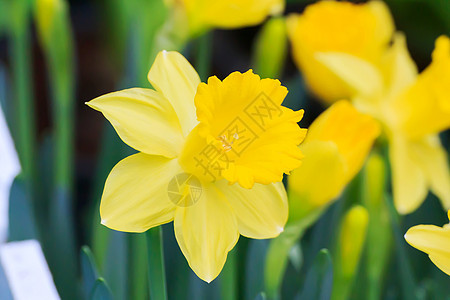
<point x="433" y="160"/>
<point x="135" y="197"/>
<point x="206" y="232"/>
<point x="424" y="108"/>
<point x="434" y="241"/>
<point x="173" y="76"/>
<point x="229" y="13"/>
<point x="400" y="71"/>
<point x="261" y="211"/>
<point x="143" y="119"/>
<point x="319" y="180"/>
<point x="442" y="262"/>
<point x="360" y="30"/>
<point x="361" y="76"/>
<point x="244" y="135"/>
<point x="409" y="183"/>
<point x="351" y="131"/>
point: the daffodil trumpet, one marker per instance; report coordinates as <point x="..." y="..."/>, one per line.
<point x="335" y="149"/>
<point x="211" y="158"/>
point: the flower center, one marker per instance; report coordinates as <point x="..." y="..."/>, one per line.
<point x="244" y="134"/>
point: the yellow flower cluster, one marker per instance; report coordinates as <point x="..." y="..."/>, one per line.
<point x="344" y="50"/>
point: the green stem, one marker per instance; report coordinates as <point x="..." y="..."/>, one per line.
<point x="277" y="259"/>
<point x="21" y="65"/>
<point x="204" y="53"/>
<point x="229" y="277"/>
<point x="279" y="248"/>
<point x="156" y="269"/>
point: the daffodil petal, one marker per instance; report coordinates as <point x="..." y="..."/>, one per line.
<point x="229" y="13"/>
<point x="441" y="261"/>
<point x="358" y="74"/>
<point x="408" y="179"/>
<point x="399" y="68"/>
<point x="361" y="30"/>
<point x="261" y="211"/>
<point x="206" y="232"/>
<point x="135" y="197"/>
<point x="424" y="108"/>
<point x="434" y="162"/>
<point x="430" y="239"/>
<point x="173" y="76"/>
<point x="143" y="119"/>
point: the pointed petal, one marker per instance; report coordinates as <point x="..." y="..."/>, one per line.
<point x="442" y="262"/>
<point x="429" y="238"/>
<point x="143" y="119"/>
<point x="261" y="211"/>
<point x="424" y="108"/>
<point x="399" y="68"/>
<point x="358" y="74"/>
<point x="408" y="179"/>
<point x="135" y="197"/>
<point x="434" y="162"/>
<point x="433" y="240"/>
<point x="206" y="232"/>
<point x="173" y="76"/>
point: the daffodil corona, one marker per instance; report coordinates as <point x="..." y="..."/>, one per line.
<point x="211" y="158"/>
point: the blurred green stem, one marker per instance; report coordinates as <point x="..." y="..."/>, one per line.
<point x="203" y="55"/>
<point x="156" y="269"/>
<point x="22" y="72"/>
<point x="229" y="277"/>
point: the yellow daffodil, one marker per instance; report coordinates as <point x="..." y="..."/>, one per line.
<point x="203" y="15"/>
<point x="335" y="149"/>
<point x="385" y="84"/>
<point x="433" y="240"/>
<point x="362" y="30"/>
<point x="194" y="141"/>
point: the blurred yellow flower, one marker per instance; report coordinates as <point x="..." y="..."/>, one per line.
<point x="382" y="81"/>
<point x="203" y="15"/>
<point x="433" y="240"/>
<point x="46" y="13"/>
<point x="194" y="141"/>
<point x="352" y="238"/>
<point x="362" y="30"/>
<point x="335" y="149"/>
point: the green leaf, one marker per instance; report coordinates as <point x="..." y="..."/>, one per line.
<point x="138" y="266"/>
<point x="405" y="273"/>
<point x="254" y="269"/>
<point x="156" y="269"/>
<point x="22" y="225"/>
<point x="101" y="291"/>
<point x="261" y="296"/>
<point x="88" y="270"/>
<point x="319" y="279"/>
<point x="60" y="245"/>
<point x="116" y="264"/>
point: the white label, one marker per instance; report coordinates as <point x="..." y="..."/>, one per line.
<point x="9" y="168"/>
<point x="26" y="271"/>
